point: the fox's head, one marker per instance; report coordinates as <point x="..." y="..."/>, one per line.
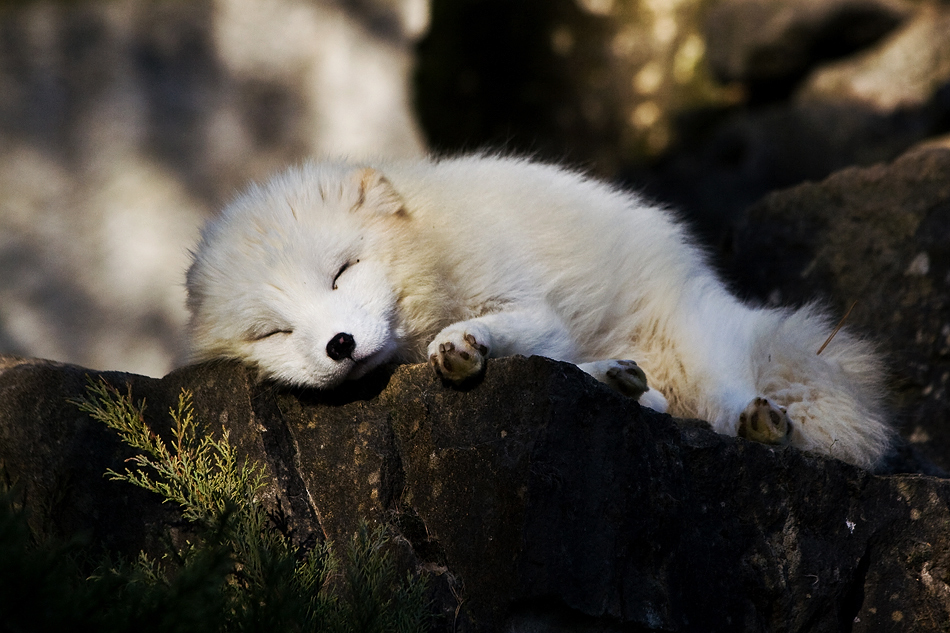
<point x="292" y="277"/>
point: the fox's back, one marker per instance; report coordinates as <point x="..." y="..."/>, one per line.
<point x="513" y="229"/>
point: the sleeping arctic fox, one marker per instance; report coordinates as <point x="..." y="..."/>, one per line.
<point x="330" y="270"/>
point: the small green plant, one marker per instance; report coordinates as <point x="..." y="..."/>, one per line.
<point x="238" y="573"/>
<point x="202" y="475"/>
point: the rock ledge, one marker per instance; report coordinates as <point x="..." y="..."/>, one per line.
<point x="537" y="500"/>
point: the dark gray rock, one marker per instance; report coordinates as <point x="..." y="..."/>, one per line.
<point x="537" y="499"/>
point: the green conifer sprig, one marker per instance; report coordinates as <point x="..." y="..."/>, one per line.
<point x="267" y="583"/>
<point x="199" y="473"/>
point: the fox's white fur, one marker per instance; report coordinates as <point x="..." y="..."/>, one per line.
<point x="329" y="270"/>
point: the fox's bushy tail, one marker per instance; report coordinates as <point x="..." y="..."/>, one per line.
<point x="835" y="399"/>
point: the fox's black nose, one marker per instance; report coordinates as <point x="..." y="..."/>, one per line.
<point x="341" y="346"/>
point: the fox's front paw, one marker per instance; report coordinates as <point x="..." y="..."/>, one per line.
<point x="457" y="355"/>
<point x="765" y="422"/>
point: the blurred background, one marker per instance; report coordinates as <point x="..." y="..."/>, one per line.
<point x="125" y="124"/>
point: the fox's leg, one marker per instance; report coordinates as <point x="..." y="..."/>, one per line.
<point x="626" y="377"/>
<point x="459" y="351"/>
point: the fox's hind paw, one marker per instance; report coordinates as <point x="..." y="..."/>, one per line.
<point x="457" y="355"/>
<point x="765" y="422"/>
<point x="626" y="377"/>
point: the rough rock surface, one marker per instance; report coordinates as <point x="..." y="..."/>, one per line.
<point x="876" y="237"/>
<point x="537" y="499"/>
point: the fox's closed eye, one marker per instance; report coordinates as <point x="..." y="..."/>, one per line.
<point x="342" y="270"/>
<point x="270" y="333"/>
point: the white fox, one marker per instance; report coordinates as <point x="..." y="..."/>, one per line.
<point x="329" y="270"/>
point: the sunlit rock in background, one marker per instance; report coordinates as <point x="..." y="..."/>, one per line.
<point x="124" y="124"/>
<point x="904" y="71"/>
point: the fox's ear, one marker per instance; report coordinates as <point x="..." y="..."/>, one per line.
<point x="375" y="193"/>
